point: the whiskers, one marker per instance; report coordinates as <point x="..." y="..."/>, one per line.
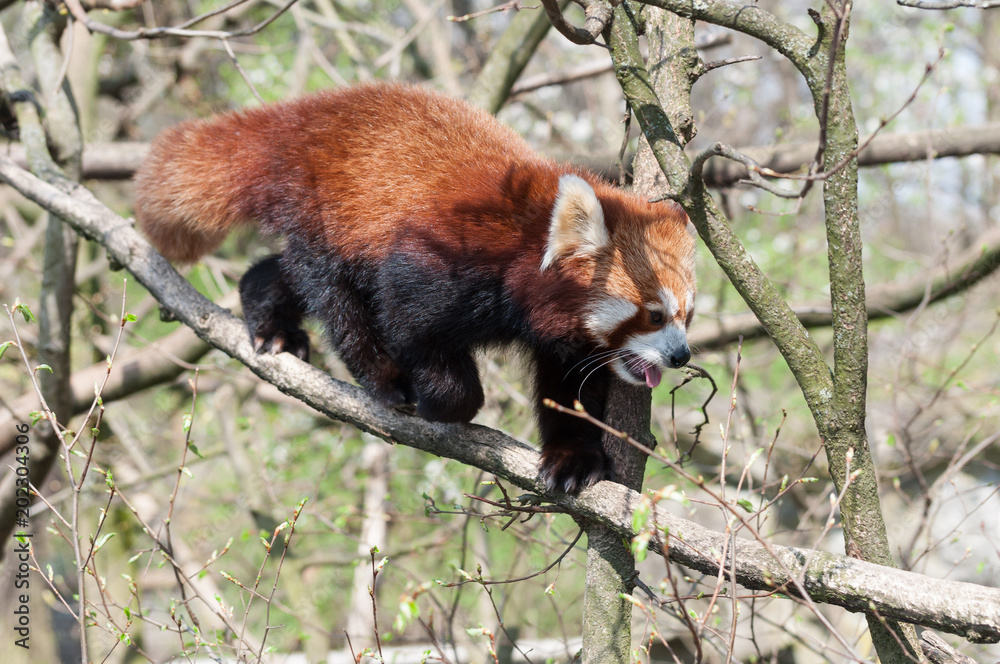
<point x="593" y="363"/>
<point x="601" y="359"/>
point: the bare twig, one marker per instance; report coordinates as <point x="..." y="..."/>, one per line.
<point x="716" y="64"/>
<point x="507" y="6"/>
<point x="400" y="45"/>
<point x="242" y="72"/>
<point x="182" y="30"/>
<point x="691" y="371"/>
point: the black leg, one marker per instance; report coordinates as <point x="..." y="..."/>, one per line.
<point x="272" y="310"/>
<point x="355" y="336"/>
<point x="339" y="294"/>
<point x="572" y="454"/>
<point x="446" y="385"/>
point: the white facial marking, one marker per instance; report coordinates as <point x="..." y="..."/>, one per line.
<point x="577" y="224"/>
<point x="670" y="302"/>
<point x="689" y="301"/>
<point x="607" y="314"/>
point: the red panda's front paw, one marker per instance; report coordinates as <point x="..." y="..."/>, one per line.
<point x="573" y="469"/>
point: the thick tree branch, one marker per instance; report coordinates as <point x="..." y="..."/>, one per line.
<point x="960" y="608"/>
<point x="883" y="149"/>
<point x="749" y="19"/>
<point x="118" y="160"/>
<point x="51" y="134"/>
<point x="800" y="351"/>
<point x="507" y="59"/>
<point x="837" y="398"/>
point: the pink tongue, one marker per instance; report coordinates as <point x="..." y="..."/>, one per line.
<point x="653" y="375"/>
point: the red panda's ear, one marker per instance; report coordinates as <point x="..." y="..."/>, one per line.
<point x="577" y="225"/>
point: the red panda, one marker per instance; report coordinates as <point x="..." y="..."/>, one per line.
<point x="420" y="229"/>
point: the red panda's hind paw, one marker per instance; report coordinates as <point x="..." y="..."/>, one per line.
<point x="295" y="342"/>
<point x="574" y="469"/>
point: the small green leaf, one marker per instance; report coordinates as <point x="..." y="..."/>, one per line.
<point x="4" y="346"/>
<point x="45" y="367"/>
<point x="102" y="541"/>
<point x="745" y="504"/>
<point x="130" y="318"/>
<point x="640" y="546"/>
<point x="25" y="311"/>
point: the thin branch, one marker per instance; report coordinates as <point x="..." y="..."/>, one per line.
<point x="875" y="150"/>
<point x="242" y="72"/>
<point x="753" y="169"/>
<point x="716" y="64"/>
<point x="115" y="5"/>
<point x="507" y="6"/>
<point x="598" y="13"/>
<point x="155" y="364"/>
<point x="182" y="30"/>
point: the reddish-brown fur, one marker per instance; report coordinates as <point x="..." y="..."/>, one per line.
<point x="368" y="157"/>
<point x="372" y="174"/>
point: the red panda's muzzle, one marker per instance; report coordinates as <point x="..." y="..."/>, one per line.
<point x="646" y="354"/>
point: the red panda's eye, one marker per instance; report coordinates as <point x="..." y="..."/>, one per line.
<point x="656" y="317"/>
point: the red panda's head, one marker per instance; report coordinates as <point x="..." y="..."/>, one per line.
<point x="642" y="288"/>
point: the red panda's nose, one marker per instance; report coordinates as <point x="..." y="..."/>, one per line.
<point x="680" y="358"/>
